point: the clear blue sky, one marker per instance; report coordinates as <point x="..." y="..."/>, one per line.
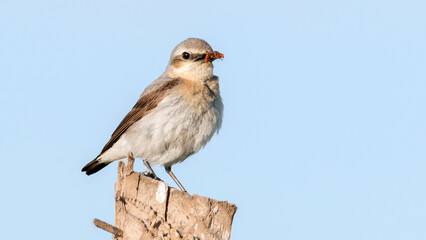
<point x="324" y="135"/>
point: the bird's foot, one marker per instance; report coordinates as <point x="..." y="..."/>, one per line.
<point x="151" y="175"/>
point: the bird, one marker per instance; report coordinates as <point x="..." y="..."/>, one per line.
<point x="174" y="117"/>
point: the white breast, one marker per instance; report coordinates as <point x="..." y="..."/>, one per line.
<point x="172" y="131"/>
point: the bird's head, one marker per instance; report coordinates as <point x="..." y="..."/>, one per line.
<point x="192" y="59"/>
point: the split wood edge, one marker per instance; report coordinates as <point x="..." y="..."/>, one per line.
<point x="108" y="227"/>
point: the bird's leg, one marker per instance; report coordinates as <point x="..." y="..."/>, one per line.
<point x="169" y="171"/>
<point x="146" y="163"/>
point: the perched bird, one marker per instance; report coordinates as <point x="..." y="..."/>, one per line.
<point x="175" y="116"/>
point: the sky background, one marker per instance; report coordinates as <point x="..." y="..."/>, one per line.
<point x="324" y="127"/>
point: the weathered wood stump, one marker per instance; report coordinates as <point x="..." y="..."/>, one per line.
<point x="146" y="208"/>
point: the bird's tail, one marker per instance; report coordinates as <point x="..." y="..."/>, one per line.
<point x="94" y="166"/>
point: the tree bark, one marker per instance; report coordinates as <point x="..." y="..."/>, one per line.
<point x="146" y="208"/>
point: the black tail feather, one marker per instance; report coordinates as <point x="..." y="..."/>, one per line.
<point x="94" y="166"/>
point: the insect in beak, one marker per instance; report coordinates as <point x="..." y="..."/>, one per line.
<point x="211" y="56"/>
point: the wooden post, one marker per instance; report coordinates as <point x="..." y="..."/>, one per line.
<point x="146" y="208"/>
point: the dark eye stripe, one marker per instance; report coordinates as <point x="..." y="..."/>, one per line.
<point x="200" y="57"/>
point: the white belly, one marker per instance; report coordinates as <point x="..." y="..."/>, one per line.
<point x="169" y="133"/>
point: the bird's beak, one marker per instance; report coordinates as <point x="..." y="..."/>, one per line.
<point x="211" y="56"/>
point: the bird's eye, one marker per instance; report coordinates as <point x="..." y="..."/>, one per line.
<point x="185" y="55"/>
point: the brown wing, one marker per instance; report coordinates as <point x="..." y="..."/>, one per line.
<point x="145" y="103"/>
